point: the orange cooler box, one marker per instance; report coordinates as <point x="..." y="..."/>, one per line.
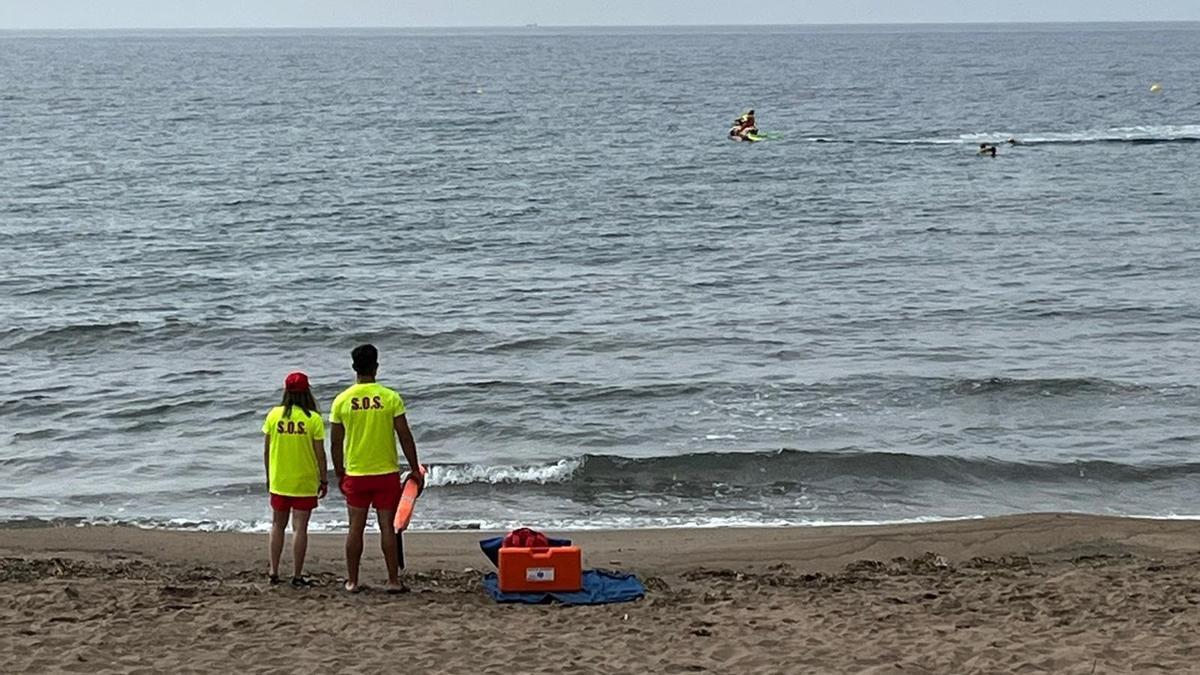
<point x="558" y="568"/>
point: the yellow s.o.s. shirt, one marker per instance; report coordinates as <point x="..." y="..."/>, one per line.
<point x="292" y="462"/>
<point x="367" y="412"/>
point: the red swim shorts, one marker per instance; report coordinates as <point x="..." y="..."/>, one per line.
<point x="284" y="503"/>
<point x="381" y="491"/>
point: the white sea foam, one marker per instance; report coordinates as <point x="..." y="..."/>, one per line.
<point x="1163" y="133"/>
<point x="558" y="472"/>
<point x="599" y="522"/>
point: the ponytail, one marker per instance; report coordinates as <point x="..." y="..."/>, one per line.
<point x="302" y="399"/>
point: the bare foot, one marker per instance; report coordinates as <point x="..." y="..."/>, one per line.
<point x="394" y="587"/>
<point x="352" y="588"/>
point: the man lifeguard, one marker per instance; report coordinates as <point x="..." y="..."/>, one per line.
<point x="366" y="419"/>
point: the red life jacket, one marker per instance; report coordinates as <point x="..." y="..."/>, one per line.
<point x="525" y="538"/>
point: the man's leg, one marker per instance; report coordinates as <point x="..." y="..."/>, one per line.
<point x="387" y="542"/>
<point x="299" y="541"/>
<point x="279" y="521"/>
<point x="354" y="545"/>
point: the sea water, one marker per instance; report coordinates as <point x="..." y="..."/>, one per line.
<point x="600" y="312"/>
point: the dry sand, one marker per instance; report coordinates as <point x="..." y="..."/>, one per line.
<point x="1039" y="593"/>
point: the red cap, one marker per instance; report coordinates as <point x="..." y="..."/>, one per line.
<point x="296" y="381"/>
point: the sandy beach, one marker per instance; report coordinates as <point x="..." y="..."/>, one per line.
<point x="1037" y="593"/>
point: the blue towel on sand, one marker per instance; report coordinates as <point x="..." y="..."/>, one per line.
<point x="491" y="547"/>
<point x="599" y="588"/>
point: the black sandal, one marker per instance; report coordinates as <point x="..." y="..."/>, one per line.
<point x="301" y="582"/>
<point x="274" y="578"/>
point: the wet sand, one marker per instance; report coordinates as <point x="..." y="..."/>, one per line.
<point x="1035" y="593"/>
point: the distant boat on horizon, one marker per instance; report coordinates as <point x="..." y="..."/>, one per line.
<point x="531" y="25"/>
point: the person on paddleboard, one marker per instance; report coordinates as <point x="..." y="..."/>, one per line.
<point x="744" y="125"/>
<point x="365" y="421"/>
<point x="294" y="459"/>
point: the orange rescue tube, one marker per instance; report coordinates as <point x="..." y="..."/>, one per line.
<point x="408" y="498"/>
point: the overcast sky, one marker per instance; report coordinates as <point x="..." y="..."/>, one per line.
<point x="42" y="14"/>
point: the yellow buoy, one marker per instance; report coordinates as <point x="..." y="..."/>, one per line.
<point x="1155" y="88"/>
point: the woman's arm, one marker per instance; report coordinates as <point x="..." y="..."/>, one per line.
<point x="319" y="451"/>
<point x="267" y="458"/>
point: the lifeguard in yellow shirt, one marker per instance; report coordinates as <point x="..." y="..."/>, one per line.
<point x="366" y="419"/>
<point x="294" y="458"/>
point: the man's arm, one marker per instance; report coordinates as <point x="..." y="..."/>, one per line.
<point x="336" y="436"/>
<point x="400" y="422"/>
<point x="267" y="458"/>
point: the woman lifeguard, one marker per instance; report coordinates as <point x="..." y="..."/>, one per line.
<point x="294" y="458"/>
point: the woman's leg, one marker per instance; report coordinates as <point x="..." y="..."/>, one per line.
<point x="299" y="541"/>
<point x="279" y="521"/>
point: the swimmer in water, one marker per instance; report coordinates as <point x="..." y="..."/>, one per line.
<point x="987" y="149"/>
